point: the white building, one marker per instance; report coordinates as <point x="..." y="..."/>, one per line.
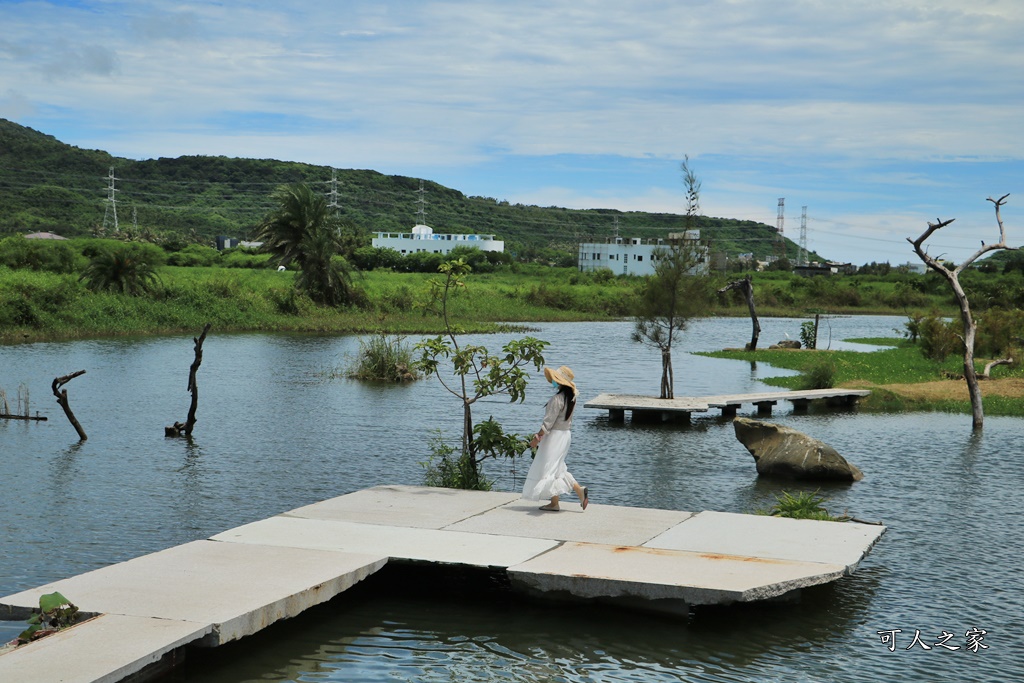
<point x="637" y="256"/>
<point x="422" y="238"/>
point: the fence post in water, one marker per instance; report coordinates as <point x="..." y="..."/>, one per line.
<point x="62" y="399"/>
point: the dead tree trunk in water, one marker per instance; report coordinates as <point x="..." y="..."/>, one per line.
<point x="178" y="428"/>
<point x="969" y="323"/>
<point x="746" y="286"/>
<point x="192" y="387"/>
<point x="62" y="399"/>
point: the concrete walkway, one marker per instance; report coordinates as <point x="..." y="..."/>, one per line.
<point x="236" y="583"/>
<point x="666" y="408"/>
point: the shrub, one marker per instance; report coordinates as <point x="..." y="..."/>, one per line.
<point x="804" y="505"/>
<point x="819" y="375"/>
<point x="400" y="299"/>
<point x="244" y="258"/>
<point x="551" y="297"/>
<point x="939" y="338"/>
<point x="809" y="334"/>
<point x="55" y="256"/>
<point x="194" y="255"/>
<point x="999" y="331"/>
<point x="384" y="358"/>
<point x="446" y="468"/>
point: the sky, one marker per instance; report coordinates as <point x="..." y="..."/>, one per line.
<point x="879" y="116"/>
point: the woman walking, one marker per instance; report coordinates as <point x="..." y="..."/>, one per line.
<point x="548" y="477"/>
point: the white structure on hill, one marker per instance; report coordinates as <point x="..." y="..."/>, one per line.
<point x="422" y="238"/>
<point x="638" y="256"/>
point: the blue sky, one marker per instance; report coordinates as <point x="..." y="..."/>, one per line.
<point x="878" y="115"/>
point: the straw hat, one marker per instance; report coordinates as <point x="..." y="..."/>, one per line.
<point x="563" y="376"/>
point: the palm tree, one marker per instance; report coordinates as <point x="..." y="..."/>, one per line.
<point x="126" y="268"/>
<point x="302" y="230"/>
<point x="325" y="277"/>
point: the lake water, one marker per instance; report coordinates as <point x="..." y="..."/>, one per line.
<point x="274" y="434"/>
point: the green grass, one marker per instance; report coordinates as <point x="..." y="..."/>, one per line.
<point x="902" y="364"/>
<point x="39" y="305"/>
<point x="803" y="505"/>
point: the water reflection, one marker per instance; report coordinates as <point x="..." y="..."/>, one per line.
<point x="274" y="435"/>
<point x="411" y="625"/>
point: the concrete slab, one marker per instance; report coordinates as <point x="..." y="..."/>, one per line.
<point x="409" y="506"/>
<point x="237" y="589"/>
<point x="728" y="533"/>
<point x="689" y="404"/>
<point x="598" y="524"/>
<point x="608" y="571"/>
<point x="103" y="650"/>
<point x="451" y="547"/>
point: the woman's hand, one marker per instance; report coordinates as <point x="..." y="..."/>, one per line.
<point x="535" y="440"/>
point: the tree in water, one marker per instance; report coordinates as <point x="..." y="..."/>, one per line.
<point x="303" y="230"/>
<point x="477" y="374"/>
<point x="676" y="292"/>
<point x="951" y="273"/>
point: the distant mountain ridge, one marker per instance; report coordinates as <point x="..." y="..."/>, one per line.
<point x="47" y="185"/>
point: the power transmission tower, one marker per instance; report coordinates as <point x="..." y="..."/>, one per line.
<point x="421" y="213"/>
<point x="803" y="238"/>
<point x="111" y="207"/>
<point x="333" y="196"/>
<point x="780" y="243"/>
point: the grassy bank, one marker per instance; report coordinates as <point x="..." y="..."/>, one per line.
<point x="42" y="305"/>
<point x="38" y="306"/>
<point x="900" y="378"/>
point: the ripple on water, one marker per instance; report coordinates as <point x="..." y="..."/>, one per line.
<point x="273" y="436"/>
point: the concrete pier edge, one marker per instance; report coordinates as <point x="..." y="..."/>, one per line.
<point x="209" y="592"/>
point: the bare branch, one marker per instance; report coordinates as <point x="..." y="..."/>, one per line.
<point x="62" y="398"/>
<point x="991" y="364"/>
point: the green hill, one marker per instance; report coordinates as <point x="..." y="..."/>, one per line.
<point x="46" y="185"/>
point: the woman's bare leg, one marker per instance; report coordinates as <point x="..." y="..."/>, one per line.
<point x="553" y="505"/>
<point x="581" y="493"/>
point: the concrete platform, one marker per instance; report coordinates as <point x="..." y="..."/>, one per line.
<point x="422" y="545"/>
<point x="684" y="578"/>
<point x="238" y="582"/>
<point x="805" y="540"/>
<point x="651" y="407"/>
<point x="107" y="649"/>
<point x="232" y="589"/>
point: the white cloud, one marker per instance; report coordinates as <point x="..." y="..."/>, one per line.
<point x="840" y="90"/>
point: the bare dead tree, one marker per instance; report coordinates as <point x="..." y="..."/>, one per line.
<point x="969" y="324"/>
<point x="746" y="285"/>
<point x="986" y="373"/>
<point x="62" y="399"/>
<point x="178" y="428"/>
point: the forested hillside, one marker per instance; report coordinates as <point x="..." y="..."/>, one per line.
<point x="46" y="185"/>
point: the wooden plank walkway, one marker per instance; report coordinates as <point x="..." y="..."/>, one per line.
<point x="650" y="407"/>
<point x="232" y="585"/>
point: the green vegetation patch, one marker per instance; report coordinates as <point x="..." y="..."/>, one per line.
<point x="902" y="364"/>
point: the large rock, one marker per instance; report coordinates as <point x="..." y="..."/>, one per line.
<point x="783" y="452"/>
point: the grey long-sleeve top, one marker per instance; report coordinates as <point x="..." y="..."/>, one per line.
<point x="554" y="414"/>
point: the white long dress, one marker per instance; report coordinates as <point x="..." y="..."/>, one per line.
<point x="548" y="475"/>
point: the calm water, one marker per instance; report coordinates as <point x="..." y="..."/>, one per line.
<point x="274" y="434"/>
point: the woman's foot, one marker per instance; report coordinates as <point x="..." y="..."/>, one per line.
<point x="584" y="498"/>
<point x="550" y="507"/>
